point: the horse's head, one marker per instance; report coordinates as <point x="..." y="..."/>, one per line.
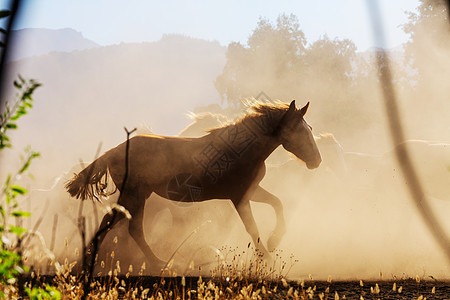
<point x="296" y="137"/>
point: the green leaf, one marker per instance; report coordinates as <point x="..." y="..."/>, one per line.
<point x="21" y="78"/>
<point x="4" y="13"/>
<point x="2" y="145"/>
<point x="17" y="230"/>
<point x="17" y="85"/>
<point x="27" y="95"/>
<point x="21" y="111"/>
<point x="19" y="190"/>
<point x="19" y="213"/>
<point x="11" y="126"/>
<point x="28" y="162"/>
<point x="2" y="212"/>
<point x="8" y="198"/>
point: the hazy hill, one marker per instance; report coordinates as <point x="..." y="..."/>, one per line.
<point x="37" y="41"/>
<point x="88" y="96"/>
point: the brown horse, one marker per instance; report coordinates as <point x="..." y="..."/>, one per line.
<point x="227" y="163"/>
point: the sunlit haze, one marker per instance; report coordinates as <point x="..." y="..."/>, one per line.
<point x="181" y="72"/>
<point x="112" y="22"/>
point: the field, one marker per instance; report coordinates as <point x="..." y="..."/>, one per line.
<point x="242" y="275"/>
<point x="146" y="287"/>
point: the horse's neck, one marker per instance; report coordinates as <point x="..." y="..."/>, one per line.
<point x="261" y="141"/>
<point x="250" y="140"/>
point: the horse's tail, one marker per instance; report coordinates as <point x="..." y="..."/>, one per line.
<point x="88" y="184"/>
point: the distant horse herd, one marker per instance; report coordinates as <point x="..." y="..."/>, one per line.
<point x="218" y="158"/>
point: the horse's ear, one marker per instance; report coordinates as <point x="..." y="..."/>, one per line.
<point x="304" y="109"/>
<point x="292" y="106"/>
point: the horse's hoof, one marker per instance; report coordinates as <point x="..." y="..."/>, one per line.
<point x="267" y="258"/>
<point x="273" y="241"/>
<point x="263" y="255"/>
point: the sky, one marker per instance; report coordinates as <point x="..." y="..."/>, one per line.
<point x="109" y="22"/>
<point x="381" y="234"/>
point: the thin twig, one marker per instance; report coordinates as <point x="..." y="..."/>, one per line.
<point x="94" y="206"/>
<point x="41" y="217"/>
<point x="94" y="242"/>
<point x="55" y="224"/>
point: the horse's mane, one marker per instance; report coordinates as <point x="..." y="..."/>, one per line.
<point x="256" y="108"/>
<point x="269" y="108"/>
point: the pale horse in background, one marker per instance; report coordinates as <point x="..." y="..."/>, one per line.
<point x="369" y="171"/>
<point x="202" y="122"/>
<point x="432" y="162"/>
<point x="333" y="163"/>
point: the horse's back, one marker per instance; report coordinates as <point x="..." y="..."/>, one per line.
<point x="152" y="158"/>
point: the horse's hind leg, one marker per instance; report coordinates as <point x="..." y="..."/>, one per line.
<point x="109" y="220"/>
<point x="135" y="205"/>
<point x="245" y="212"/>
<point x="263" y="196"/>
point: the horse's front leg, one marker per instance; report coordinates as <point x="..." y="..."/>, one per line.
<point x="263" y="196"/>
<point x="245" y="212"/>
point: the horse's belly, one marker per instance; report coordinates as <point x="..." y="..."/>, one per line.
<point x="187" y="187"/>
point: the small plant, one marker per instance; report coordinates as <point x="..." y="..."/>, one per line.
<point x="19" y="108"/>
<point x="11" y="264"/>
<point x="37" y="293"/>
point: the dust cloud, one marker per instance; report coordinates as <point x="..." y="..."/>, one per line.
<point x="351" y="218"/>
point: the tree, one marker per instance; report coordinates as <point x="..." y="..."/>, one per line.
<point x="428" y="55"/>
<point x="279" y="62"/>
<point x="429" y="25"/>
<point x="427" y="50"/>
<point x="273" y="55"/>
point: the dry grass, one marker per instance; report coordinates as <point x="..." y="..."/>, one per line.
<point x="237" y="275"/>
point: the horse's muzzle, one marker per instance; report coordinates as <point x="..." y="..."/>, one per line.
<point x="314" y="163"/>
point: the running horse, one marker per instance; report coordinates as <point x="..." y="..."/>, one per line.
<point x="226" y="163"/>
